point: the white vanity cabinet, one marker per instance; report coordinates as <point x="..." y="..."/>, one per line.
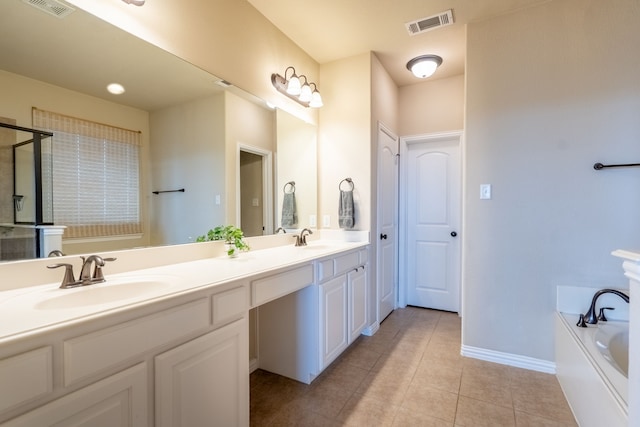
<point x="301" y="333"/>
<point x="118" y="400"/>
<point x="343" y="303"/>
<point x="357" y="285"/>
<point x="333" y="322"/>
<point x="186" y="356"/>
<point x="202" y="382"/>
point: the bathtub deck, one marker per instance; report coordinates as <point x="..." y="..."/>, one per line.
<point x="594" y="389"/>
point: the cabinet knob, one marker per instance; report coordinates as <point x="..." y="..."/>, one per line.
<point x="454" y="234"/>
<point x="383" y="236"/>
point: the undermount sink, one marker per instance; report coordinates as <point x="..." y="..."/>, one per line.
<point x="101" y="293"/>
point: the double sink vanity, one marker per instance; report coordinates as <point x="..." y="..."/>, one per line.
<point x="165" y="340"/>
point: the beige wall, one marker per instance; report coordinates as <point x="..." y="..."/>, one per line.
<point x="246" y="124"/>
<point x="431" y="106"/>
<point x="550" y="91"/>
<point x="297" y="161"/>
<point x="228" y="38"/>
<point x="20" y="94"/>
<point x="187" y="151"/>
<point x="344" y="138"/>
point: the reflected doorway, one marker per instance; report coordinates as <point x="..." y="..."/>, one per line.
<point x="255" y="198"/>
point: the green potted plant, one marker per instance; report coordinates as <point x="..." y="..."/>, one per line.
<point x="233" y="238"/>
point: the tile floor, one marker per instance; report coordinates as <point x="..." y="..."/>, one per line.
<point x="410" y="373"/>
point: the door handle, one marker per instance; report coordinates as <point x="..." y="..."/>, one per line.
<point x="454" y="234"/>
<point x="383" y="236"/>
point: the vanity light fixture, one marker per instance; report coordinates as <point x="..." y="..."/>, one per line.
<point x="297" y="88"/>
<point x="424" y="66"/>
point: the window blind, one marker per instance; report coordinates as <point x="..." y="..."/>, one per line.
<point x="96" y="176"/>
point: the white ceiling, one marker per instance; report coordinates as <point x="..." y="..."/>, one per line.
<point x="334" y="29"/>
<point x="85" y="54"/>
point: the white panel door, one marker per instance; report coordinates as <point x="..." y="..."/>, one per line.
<point x="433" y="220"/>
<point x="386" y="248"/>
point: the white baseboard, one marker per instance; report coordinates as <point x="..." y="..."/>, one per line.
<point x="509" y="359"/>
<point x="372" y="329"/>
<point x="253" y="365"/>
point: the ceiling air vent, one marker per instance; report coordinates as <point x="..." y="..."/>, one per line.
<point x="430" y="23"/>
<point x="51" y="7"/>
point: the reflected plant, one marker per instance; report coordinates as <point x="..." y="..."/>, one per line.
<point x="231" y="235"/>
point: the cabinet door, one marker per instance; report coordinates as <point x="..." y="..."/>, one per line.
<point x="357" y="280"/>
<point x="333" y="319"/>
<point x="119" y="400"/>
<point x="205" y="382"/>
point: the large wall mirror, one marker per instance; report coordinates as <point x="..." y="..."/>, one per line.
<point x="191" y="124"/>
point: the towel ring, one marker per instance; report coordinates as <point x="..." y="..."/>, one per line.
<point x="292" y="189"/>
<point x="349" y="180"/>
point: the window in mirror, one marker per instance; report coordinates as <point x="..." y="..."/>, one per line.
<point x="96" y="176"/>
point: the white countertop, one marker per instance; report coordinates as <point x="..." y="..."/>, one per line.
<point x="36" y="309"/>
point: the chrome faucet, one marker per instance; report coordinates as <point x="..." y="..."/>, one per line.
<point x="301" y="240"/>
<point x="590" y="316"/>
<point x="87" y="277"/>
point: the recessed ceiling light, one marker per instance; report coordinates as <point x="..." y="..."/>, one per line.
<point x="115" y="88"/>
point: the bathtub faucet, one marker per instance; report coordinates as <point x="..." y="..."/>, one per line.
<point x="590" y="316"/>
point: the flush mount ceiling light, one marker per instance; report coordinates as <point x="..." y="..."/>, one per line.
<point x="294" y="88"/>
<point x="115" y="88"/>
<point x="134" y="2"/>
<point x="424" y="66"/>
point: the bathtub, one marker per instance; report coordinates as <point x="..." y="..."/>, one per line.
<point x="591" y="366"/>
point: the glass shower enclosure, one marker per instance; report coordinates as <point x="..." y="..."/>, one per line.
<point x="26" y="194"/>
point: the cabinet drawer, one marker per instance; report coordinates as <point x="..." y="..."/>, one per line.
<point x="277" y="285"/>
<point x="364" y="256"/>
<point x="229" y="305"/>
<point x="346" y="262"/>
<point x="326" y="270"/>
<point x="91" y="353"/>
<point x="25" y="377"/>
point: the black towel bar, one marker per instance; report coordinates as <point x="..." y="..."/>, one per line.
<point x="181" y="190"/>
<point x="599" y="166"/>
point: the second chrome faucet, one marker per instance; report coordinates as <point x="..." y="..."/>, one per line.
<point x="301" y="240"/>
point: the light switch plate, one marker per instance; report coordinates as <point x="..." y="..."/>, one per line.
<point x="312" y="221"/>
<point x="326" y="220"/>
<point x="485" y="191"/>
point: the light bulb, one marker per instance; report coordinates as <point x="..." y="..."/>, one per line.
<point x="293" y="87"/>
<point x="305" y="93"/>
<point x="316" y="100"/>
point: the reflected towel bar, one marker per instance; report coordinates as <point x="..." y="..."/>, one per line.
<point x="599" y="166"/>
<point x="181" y="190"/>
